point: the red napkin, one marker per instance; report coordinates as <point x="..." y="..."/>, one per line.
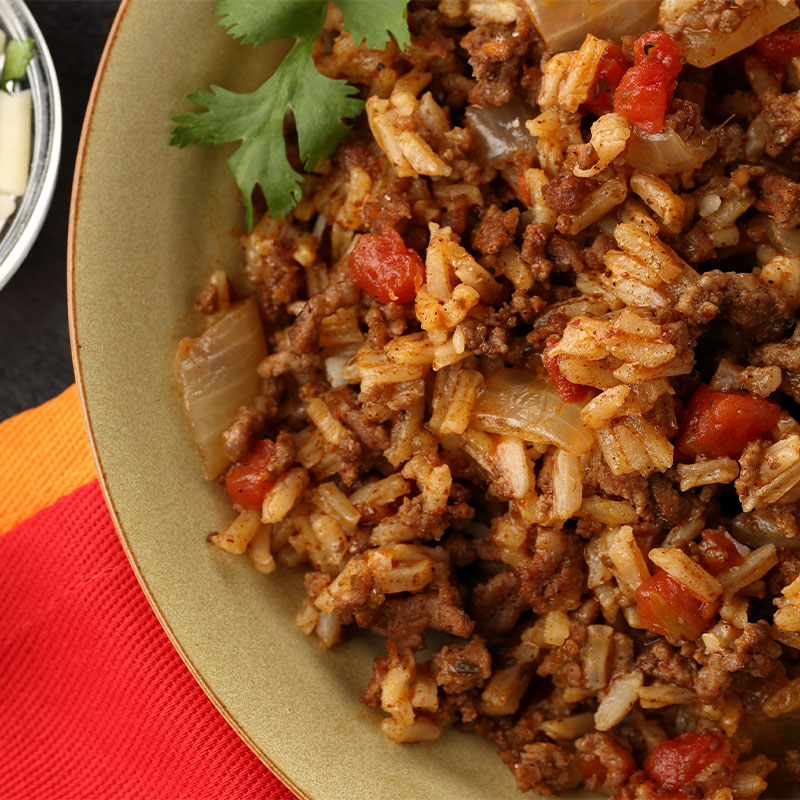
<point x="95" y="702"/>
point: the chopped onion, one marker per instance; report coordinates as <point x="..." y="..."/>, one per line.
<point x="703" y="47"/>
<point x="564" y="26"/>
<point x="758" y="528"/>
<point x="15" y="141"/>
<point x="217" y="375"/>
<point x="499" y="131"/>
<point x="667" y="152"/>
<point x="518" y="403"/>
<point x="785" y="240"/>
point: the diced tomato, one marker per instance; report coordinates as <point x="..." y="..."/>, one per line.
<point x="661" y="47"/>
<point x="778" y="48"/>
<point x="603" y="103"/>
<point x="722" y="423"/>
<point x="645" y="90"/>
<point x="382" y="265"/>
<point x="610" y="69"/>
<point x="718" y="552"/>
<point x="668" y="608"/>
<point x="568" y="391"/>
<point x="643" y="95"/>
<point x="249" y="480"/>
<point x="679" y="761"/>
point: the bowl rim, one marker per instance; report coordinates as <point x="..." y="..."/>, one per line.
<point x="74" y="211"/>
<point x="29" y="217"/>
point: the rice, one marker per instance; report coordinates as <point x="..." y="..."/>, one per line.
<point x="514" y="454"/>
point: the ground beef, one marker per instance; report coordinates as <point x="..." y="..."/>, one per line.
<point x="496" y="53"/>
<point x="497" y="604"/>
<point x="207" y="302"/>
<point x="274" y="274"/>
<point x="483" y="339"/>
<point x="779" y="197"/>
<point x="546" y="768"/>
<point x="595" y="254"/>
<point x="386" y="206"/>
<point x="731" y="139"/>
<point x="566" y="193"/>
<point x="495" y="230"/>
<point x="565" y="254"/>
<point x="344" y="405"/>
<point x="463" y="666"/>
<point x="782" y="115"/>
<point x="250" y="420"/>
<point x="384" y="322"/>
<point x="384" y="401"/>
<point x="759" y="310"/>
<point x="662" y="662"/>
<point x="361" y="600"/>
<point x="694" y="246"/>
<point x="405" y="619"/>
<point x="633" y="488"/>
<point x="672" y="506"/>
<point x="555" y="578"/>
<point x="786" y="355"/>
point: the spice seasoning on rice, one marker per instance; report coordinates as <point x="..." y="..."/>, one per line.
<point x="530" y="380"/>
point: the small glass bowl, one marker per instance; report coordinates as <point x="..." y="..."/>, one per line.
<point x="20" y="231"/>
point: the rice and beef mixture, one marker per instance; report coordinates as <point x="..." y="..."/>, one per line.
<point x="527" y="394"/>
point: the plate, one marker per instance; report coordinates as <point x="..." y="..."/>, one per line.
<point x="149" y="224"/>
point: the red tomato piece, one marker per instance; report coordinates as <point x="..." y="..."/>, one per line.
<point x="603" y="103"/>
<point x="568" y="391"/>
<point x="781" y="45"/>
<point x="661" y="47"/>
<point x="679" y="761"/>
<point x="249" y="480"/>
<point x="610" y="69"/>
<point x="643" y="95"/>
<point x="645" y="90"/>
<point x="668" y="608"/>
<point x="382" y="265"/>
<point x="718" y="552"/>
<point x="722" y="423"/>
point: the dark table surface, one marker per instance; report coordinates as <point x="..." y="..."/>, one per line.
<point x="35" y="361"/>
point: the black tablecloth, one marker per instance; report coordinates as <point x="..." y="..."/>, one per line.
<point x="35" y="362"/>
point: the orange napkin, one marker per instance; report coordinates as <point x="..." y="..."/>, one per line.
<point x="96" y="702"/>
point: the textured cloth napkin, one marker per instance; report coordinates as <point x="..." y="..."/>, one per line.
<point x="95" y="701"/>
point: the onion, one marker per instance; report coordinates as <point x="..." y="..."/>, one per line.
<point x="499" y="131"/>
<point x="518" y="403"/>
<point x="785" y="240"/>
<point x="564" y="26"/>
<point x="703" y="47"/>
<point x="667" y="152"/>
<point x="758" y="528"/>
<point x="15" y="143"/>
<point x="217" y="375"/>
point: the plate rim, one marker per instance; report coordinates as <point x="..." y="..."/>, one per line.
<point x="75" y="348"/>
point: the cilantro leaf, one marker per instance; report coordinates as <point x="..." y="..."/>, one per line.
<point x="18" y="55"/>
<point x="371" y="19"/>
<point x="259" y="21"/>
<point x="320" y="105"/>
<point x="257" y="120"/>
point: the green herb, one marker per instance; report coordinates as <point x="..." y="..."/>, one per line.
<point x="319" y="104"/>
<point x="18" y="55"/>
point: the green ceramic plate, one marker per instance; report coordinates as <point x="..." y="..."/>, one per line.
<point x="149" y="224"/>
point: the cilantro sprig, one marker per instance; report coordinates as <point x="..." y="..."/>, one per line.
<point x="319" y="104"/>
